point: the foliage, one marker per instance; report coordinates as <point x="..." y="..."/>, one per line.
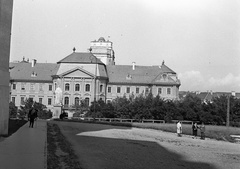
<point x="12" y="110"/>
<point x="43" y="113"/>
<point x="190" y="108"/>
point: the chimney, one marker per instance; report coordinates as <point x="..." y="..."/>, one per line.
<point x="133" y="65"/>
<point x="34" y="61"/>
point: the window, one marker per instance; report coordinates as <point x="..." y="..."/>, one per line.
<point x="159" y="90"/>
<point x="22" y="100"/>
<point x="49" y="101"/>
<point x="147" y="90"/>
<point x="87" y="101"/>
<point x="32" y="86"/>
<point x="23" y="86"/>
<point x="168" y="90"/>
<point x="67" y="87"/>
<point x="128" y="89"/>
<point x="31" y="99"/>
<point x="55" y="86"/>
<point x="109" y="89"/>
<point x="87" y="88"/>
<point x="118" y="89"/>
<point x="14" y="86"/>
<point x="109" y="101"/>
<point x="50" y="87"/>
<point x="77" y="87"/>
<point x="13" y="100"/>
<point x="40" y="87"/>
<point x="40" y="100"/>
<point x="76" y="100"/>
<point x="66" y="101"/>
<point x="101" y="88"/>
<point x="137" y="90"/>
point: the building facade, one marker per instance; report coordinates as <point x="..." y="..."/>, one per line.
<point x="89" y="76"/>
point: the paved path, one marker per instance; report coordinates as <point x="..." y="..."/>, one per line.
<point x="25" y="149"/>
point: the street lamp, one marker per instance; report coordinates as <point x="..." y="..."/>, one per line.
<point x="95" y="76"/>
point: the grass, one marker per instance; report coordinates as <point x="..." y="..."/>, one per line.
<point x="59" y="151"/>
<point x="214" y="132"/>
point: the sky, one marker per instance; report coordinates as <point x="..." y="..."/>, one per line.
<point x="198" y="39"/>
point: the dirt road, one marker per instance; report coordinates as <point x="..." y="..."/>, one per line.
<point x="112" y="147"/>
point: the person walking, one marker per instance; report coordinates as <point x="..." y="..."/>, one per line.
<point x="194" y="130"/>
<point x="202" y="130"/>
<point x="179" y="129"/>
<point x="32" y="116"/>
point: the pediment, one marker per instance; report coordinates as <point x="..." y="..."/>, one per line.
<point x="163" y="77"/>
<point x="77" y="73"/>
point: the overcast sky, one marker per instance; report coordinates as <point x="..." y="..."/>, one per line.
<point x="198" y="39"/>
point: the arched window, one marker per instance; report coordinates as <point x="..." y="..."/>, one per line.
<point x="76" y="100"/>
<point x="77" y="87"/>
<point x="101" y="88"/>
<point x="67" y="87"/>
<point x="66" y="101"/>
<point x="87" y="88"/>
<point x="87" y="101"/>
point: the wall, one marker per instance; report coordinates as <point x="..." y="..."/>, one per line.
<point x="5" y="36"/>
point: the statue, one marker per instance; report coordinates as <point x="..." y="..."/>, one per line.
<point x="58" y="94"/>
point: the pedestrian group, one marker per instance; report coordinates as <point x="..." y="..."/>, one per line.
<point x="195" y="129"/>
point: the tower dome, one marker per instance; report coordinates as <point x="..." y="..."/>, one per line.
<point x="101" y="39"/>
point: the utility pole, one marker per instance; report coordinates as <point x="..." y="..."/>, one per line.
<point x="228" y="111"/>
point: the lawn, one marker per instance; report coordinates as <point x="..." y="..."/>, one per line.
<point x="215" y="132"/>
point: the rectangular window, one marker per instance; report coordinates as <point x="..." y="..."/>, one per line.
<point x="23" y="86"/>
<point x="40" y="100"/>
<point x="50" y="87"/>
<point x="13" y="100"/>
<point x="101" y="88"/>
<point x="109" y="89"/>
<point x="147" y="90"/>
<point x="118" y="89"/>
<point x="22" y="100"/>
<point x="49" y="101"/>
<point x="137" y="90"/>
<point x="40" y="87"/>
<point x="32" y="86"/>
<point x="14" y="86"/>
<point x="159" y="90"/>
<point x="128" y="89"/>
<point x="168" y="90"/>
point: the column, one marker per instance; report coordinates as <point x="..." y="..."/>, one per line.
<point x="5" y="36"/>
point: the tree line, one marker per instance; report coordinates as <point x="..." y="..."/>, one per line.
<point x="142" y="107"/>
<point x="149" y="107"/>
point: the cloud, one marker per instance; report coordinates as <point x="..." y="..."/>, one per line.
<point x="196" y="81"/>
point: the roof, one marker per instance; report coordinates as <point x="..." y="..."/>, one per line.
<point x="207" y="96"/>
<point x="140" y="75"/>
<point x="23" y="71"/>
<point x="77" y="57"/>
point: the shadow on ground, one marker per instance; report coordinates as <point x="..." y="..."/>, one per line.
<point x="101" y="152"/>
<point x="14" y="125"/>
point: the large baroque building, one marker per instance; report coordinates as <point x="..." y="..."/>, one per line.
<point x="90" y="76"/>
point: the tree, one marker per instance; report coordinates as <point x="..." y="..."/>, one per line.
<point x="12" y="110"/>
